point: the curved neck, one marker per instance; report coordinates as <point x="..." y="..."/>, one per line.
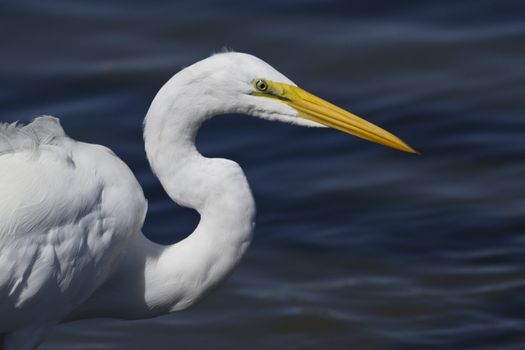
<point x="216" y="188"/>
<point x="155" y="279"/>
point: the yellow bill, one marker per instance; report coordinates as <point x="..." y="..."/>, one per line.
<point x="318" y="110"/>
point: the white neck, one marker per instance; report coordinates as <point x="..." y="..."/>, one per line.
<point x="156" y="279"/>
<point x="216" y="188"/>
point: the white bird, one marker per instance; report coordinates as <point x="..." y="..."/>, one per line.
<point x="71" y="245"/>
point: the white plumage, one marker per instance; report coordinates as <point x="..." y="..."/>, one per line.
<point x="71" y="213"/>
<point x="67" y="211"/>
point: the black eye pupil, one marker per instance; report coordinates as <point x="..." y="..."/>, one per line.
<point x="261" y="85"/>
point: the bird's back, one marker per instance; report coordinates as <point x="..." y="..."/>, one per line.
<point x="68" y="210"/>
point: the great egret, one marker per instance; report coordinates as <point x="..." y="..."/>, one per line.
<point x="71" y="245"/>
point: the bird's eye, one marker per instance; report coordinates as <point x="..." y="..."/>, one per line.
<point x="261" y="85"/>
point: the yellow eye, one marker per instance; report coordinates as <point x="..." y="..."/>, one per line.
<point x="261" y="85"/>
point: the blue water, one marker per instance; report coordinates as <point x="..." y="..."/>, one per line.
<point x="356" y="246"/>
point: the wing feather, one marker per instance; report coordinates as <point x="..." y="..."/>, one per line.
<point x="68" y="210"/>
<point x="43" y="130"/>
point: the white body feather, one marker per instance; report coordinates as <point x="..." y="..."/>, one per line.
<point x="64" y="223"/>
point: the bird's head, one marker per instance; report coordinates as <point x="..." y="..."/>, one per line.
<point x="242" y="83"/>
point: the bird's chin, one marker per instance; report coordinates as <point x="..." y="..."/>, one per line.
<point x="307" y="123"/>
<point x="294" y="120"/>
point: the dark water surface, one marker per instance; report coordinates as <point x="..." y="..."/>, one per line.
<point x="357" y="246"/>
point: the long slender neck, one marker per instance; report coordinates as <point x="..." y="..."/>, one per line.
<point x="155" y="279"/>
<point x="216" y="188"/>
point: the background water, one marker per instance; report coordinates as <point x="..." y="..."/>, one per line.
<point x="357" y="246"/>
